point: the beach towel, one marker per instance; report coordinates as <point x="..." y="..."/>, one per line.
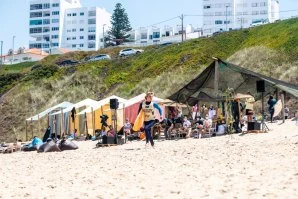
<point x="139" y="121"/>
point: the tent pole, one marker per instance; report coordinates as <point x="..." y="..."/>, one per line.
<point x="283" y="107"/>
<point x="239" y="112"/>
<point x="85" y="124"/>
<point x="93" y="128"/>
<point x="101" y="114"/>
<point x="216" y="77"/>
<point x="62" y="124"/>
<point x="26" y="131"/>
<point x="38" y="130"/>
<point x="32" y="126"/>
<point x="48" y="120"/>
<point x="276" y="94"/>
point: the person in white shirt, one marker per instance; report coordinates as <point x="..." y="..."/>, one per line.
<point x="186" y="127"/>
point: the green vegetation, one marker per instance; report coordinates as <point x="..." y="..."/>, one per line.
<point x="270" y="49"/>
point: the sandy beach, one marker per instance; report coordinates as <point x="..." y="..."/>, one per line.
<point x="230" y="166"/>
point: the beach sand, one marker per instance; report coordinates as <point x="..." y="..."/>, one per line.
<point x="230" y="166"/>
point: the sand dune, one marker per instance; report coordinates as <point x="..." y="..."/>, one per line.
<point x="231" y="166"/>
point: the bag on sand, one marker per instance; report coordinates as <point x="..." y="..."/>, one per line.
<point x="49" y="146"/>
<point x="67" y="145"/>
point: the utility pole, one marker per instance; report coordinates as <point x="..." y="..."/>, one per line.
<point x="182" y="18"/>
<point x="1" y="53"/>
<point x="13" y="49"/>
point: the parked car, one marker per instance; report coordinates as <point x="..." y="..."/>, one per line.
<point x="130" y="51"/>
<point x="166" y="44"/>
<point x="99" y="57"/>
<point x="67" y="62"/>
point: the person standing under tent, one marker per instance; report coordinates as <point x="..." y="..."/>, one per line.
<point x="194" y="111"/>
<point x="149" y="118"/>
<point x="271" y="102"/>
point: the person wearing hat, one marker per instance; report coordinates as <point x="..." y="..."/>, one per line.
<point x="148" y="108"/>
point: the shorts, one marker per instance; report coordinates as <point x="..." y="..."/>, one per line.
<point x="249" y="112"/>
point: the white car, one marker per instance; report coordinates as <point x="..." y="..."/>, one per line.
<point x="130" y="51"/>
<point x="99" y="57"/>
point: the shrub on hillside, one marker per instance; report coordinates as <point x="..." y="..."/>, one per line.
<point x="7" y="80"/>
<point x="41" y="71"/>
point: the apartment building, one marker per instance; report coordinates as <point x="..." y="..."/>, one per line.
<point x="225" y="15"/>
<point x="66" y="24"/>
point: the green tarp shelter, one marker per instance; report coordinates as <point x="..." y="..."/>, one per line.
<point x="211" y="84"/>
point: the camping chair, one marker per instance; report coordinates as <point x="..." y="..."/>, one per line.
<point x="211" y="130"/>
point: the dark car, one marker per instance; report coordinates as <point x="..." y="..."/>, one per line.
<point x="166" y="44"/>
<point x="67" y="62"/>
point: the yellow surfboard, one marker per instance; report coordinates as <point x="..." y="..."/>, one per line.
<point x="139" y="121"/>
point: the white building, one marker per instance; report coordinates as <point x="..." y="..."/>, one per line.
<point x="66" y="24"/>
<point x="159" y="35"/>
<point x="225" y="15"/>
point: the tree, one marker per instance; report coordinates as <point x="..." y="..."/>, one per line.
<point x="120" y="25"/>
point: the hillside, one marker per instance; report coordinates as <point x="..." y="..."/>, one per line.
<point x="270" y="49"/>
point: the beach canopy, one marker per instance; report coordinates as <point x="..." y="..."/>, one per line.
<point x="62" y="105"/>
<point x="101" y="103"/>
<point x="168" y="102"/>
<point x="86" y="102"/>
<point x="219" y="76"/>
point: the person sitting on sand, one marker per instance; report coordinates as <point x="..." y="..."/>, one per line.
<point x="207" y="124"/>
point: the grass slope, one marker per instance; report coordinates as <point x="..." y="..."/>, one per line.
<point x="163" y="69"/>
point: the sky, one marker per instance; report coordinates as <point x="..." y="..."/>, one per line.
<point x="14" y="15"/>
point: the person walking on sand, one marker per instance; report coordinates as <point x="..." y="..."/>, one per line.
<point x="271" y="102"/>
<point x="149" y="118"/>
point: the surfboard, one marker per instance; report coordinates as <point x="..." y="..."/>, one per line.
<point x="277" y="108"/>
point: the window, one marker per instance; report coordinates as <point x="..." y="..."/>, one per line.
<point x="263" y="4"/>
<point x="255" y="12"/>
<point x="68" y="38"/>
<point x="73" y="45"/>
<point x="81" y="14"/>
<point x="74" y="30"/>
<point x="68" y="30"/>
<point x="55" y="36"/>
<point x="55" y="5"/>
<point x="45" y="45"/>
<point x="55" y="28"/>
<point x="81" y="45"/>
<point x="74" y="14"/>
<point x="81" y="37"/>
<point x="155" y="35"/>
<point x="227" y="22"/>
<point x="91" y="21"/>
<point x="35" y="6"/>
<point x="35" y="22"/>
<point x="91" y="29"/>
<point x="46" y="21"/>
<point x="46" y="14"/>
<point x="218" y="21"/>
<point x="35" y="45"/>
<point x="55" y="13"/>
<point x="91" y="37"/>
<point x="35" y="14"/>
<point x="92" y="13"/>
<point x="35" y="30"/>
<point x="55" y="44"/>
<point x="55" y="20"/>
<point x="81" y="29"/>
<point x="254" y="5"/>
<point x="207" y="6"/>
<point x="91" y="45"/>
<point x="68" y="14"/>
<point x="46" y="6"/>
<point x="74" y="21"/>
<point x="74" y="38"/>
<point x="46" y="29"/>
<point x="263" y="12"/>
